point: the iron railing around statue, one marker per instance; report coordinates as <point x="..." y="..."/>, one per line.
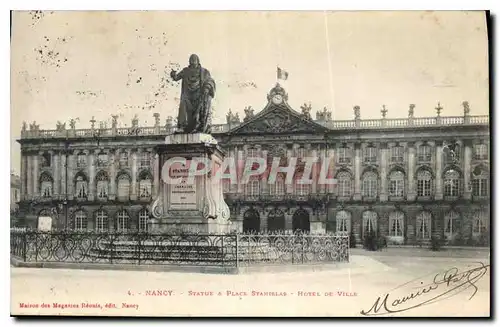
<point x="224" y="250"/>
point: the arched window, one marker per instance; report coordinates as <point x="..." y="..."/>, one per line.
<point x="122" y="221"/>
<point x="123" y="187"/>
<point x="253" y="187"/>
<point x="80" y="220"/>
<point x="480" y="182"/>
<point x="424" y="153"/>
<point x="370" y="185"/>
<point x="424" y="227"/>
<point x="369" y="222"/>
<point x="81" y="186"/>
<point x="479" y="223"/>
<point x="396" y="224"/>
<point x="278" y="187"/>
<point x="343" y="221"/>
<point x="344" y="181"/>
<point x="145" y="185"/>
<point x="396" y="184"/>
<point x="102" y="185"/>
<point x="424" y="183"/>
<point x="46" y="185"/>
<point x="452" y="183"/>
<point x="143" y="220"/>
<point x="101" y="221"/>
<point x="451" y="225"/>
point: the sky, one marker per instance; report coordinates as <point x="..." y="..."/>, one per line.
<point x="83" y="64"/>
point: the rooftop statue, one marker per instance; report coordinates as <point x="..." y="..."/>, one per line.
<point x="197" y="92"/>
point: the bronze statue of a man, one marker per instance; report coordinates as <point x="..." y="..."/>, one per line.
<point x="197" y="92"/>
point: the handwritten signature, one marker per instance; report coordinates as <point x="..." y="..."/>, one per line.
<point x="450" y="283"/>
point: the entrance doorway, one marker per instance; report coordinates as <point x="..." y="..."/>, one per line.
<point x="300" y="221"/>
<point x="251" y="221"/>
<point x="276" y="220"/>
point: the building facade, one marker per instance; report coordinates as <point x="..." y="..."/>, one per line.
<point x="15" y="196"/>
<point x="407" y="179"/>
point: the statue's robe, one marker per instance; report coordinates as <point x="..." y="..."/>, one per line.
<point x="195" y="106"/>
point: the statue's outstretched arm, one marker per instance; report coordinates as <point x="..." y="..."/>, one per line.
<point x="176" y="76"/>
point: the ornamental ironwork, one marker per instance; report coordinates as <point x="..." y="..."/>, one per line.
<point x="178" y="248"/>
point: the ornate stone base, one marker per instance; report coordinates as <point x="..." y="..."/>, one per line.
<point x="190" y="207"/>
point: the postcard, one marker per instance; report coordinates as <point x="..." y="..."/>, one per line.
<point x="250" y="164"/>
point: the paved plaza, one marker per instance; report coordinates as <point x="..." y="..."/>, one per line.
<point x="342" y="291"/>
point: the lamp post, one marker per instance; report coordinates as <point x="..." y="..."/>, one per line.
<point x="65" y="202"/>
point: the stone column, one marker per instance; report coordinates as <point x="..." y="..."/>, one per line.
<point x="29" y="176"/>
<point x="467" y="169"/>
<point x="64" y="170"/>
<point x="383" y="172"/>
<point x="357" y="171"/>
<point x="112" y="175"/>
<point x="57" y="172"/>
<point x="24" y="170"/>
<point x="331" y="156"/>
<point x="36" y="186"/>
<point x="71" y="173"/>
<point x="92" y="181"/>
<point x="321" y="165"/>
<point x="233" y="156"/>
<point x="156" y="175"/>
<point x="315" y="170"/>
<point x="439" y="171"/>
<point x="240" y="161"/>
<point x="263" y="182"/>
<point x="133" y="184"/>
<point x="412" y="192"/>
<point x="289" y="188"/>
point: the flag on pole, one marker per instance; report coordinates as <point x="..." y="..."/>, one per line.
<point x="282" y="74"/>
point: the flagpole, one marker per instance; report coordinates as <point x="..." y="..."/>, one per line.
<point x="332" y="95"/>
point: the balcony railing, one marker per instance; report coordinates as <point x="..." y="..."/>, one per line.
<point x="223" y="128"/>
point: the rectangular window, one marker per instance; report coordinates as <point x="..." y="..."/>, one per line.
<point x="481" y="152"/>
<point x="397" y="154"/>
<point x="480" y="187"/>
<point x="81" y="161"/>
<point x="424" y="153"/>
<point x="145" y="159"/>
<point x="370" y="155"/>
<point x="102" y="160"/>
<point x="344" y="155"/>
<point x="123" y="159"/>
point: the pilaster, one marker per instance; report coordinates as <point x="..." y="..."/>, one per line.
<point x="357" y="171"/>
<point x="439" y="170"/>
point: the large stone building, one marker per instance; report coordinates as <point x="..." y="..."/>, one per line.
<point x="406" y="178"/>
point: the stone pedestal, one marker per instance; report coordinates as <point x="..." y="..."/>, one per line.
<point x="196" y="205"/>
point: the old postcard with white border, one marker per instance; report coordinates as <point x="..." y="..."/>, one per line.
<point x="250" y="163"/>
